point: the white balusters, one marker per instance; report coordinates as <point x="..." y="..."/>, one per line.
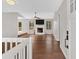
<point x="23" y="46"/>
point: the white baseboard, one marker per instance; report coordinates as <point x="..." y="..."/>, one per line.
<point x="63" y="52"/>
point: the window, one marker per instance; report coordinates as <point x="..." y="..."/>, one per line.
<point x="48" y="24"/>
<point x="31" y="25"/>
<point x="20" y="26"/>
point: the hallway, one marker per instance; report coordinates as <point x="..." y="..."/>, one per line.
<point x="45" y="47"/>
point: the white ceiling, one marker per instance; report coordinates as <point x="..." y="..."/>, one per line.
<point x="28" y="7"/>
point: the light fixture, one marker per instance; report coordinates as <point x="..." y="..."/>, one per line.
<point x="35" y="16"/>
<point x="11" y="2"/>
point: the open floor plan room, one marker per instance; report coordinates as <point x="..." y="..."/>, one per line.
<point x="38" y="29"/>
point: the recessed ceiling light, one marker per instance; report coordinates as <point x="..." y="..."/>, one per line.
<point x="11" y="2"/>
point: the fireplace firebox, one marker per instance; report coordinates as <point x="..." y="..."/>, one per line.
<point x="40" y="30"/>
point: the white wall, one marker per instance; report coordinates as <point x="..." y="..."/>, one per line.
<point x="72" y="29"/>
<point x="9" y="24"/>
<point x="66" y="21"/>
<point x="26" y="25"/>
<point x="62" y="12"/>
<point x="60" y="26"/>
<point x="56" y="26"/>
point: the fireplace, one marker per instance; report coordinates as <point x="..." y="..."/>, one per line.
<point x="40" y="30"/>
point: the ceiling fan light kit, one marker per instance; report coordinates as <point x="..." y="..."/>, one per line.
<point x="11" y="2"/>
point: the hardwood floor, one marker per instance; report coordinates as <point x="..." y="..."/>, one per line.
<point x="45" y="47"/>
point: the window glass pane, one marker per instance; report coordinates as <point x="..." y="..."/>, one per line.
<point x="8" y="45"/>
<point x="20" y="24"/>
<point x="48" y="24"/>
<point x="3" y="47"/>
<point x="31" y="25"/>
<point x="13" y="44"/>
